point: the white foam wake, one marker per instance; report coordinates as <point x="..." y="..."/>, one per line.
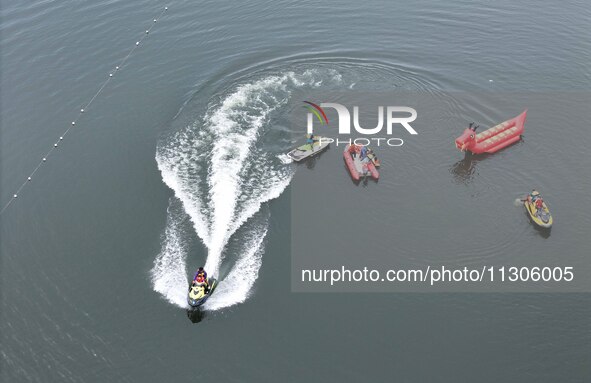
<point x="169" y="272"/>
<point x="221" y="171"/>
<point x="239" y="281"/>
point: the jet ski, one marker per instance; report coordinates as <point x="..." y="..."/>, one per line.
<point x="541" y="216"/>
<point x="307" y="150"/>
<point x="198" y="293"/>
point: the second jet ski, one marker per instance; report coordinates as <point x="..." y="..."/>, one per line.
<point x="538" y="210"/>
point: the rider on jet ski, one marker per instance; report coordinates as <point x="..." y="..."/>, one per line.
<point x="200" y="279"/>
<point x="536" y="199"/>
<point x="310" y="141"/>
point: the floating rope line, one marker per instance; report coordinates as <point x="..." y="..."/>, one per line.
<point x="84" y="109"/>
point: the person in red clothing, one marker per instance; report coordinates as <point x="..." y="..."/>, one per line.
<point x="200" y="279"/>
<point x="539" y="203"/>
<point x="536" y="199"/>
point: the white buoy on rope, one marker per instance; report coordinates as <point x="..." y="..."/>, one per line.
<point x="82" y="110"/>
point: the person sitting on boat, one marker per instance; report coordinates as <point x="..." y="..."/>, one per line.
<point x="310" y="141"/>
<point x="374" y="158"/>
<point x="353" y="150"/>
<point x="363" y="153"/>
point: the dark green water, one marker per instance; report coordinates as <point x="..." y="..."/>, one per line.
<point x="96" y="250"/>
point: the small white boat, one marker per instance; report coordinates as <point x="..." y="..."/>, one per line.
<point x="307" y="150"/>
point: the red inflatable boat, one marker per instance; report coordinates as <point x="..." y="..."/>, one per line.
<point x="358" y="168"/>
<point x="492" y="139"/>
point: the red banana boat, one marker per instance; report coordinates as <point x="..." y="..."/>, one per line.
<point x="358" y="168"/>
<point x="492" y="139"/>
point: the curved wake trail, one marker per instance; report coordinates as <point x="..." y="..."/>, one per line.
<point x="168" y="273"/>
<point x="241" y="278"/>
<point x="222" y="171"/>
